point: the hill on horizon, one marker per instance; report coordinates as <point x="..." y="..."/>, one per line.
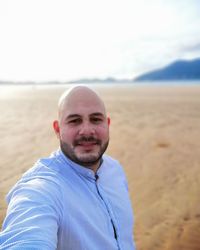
<point x="178" y="70"/>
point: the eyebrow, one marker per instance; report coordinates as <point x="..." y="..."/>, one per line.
<point x="71" y="116"/>
<point x="97" y="114"/>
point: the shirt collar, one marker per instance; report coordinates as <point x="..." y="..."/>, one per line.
<point x="84" y="171"/>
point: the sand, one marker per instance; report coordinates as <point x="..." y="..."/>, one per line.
<point x="155" y="134"/>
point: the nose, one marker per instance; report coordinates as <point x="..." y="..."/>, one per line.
<point x="87" y="129"/>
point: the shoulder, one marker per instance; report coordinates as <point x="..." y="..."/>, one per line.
<point x="41" y="182"/>
<point x="36" y="189"/>
<point x="45" y="167"/>
<point x="112" y="170"/>
<point x="112" y="167"/>
<point x="112" y="163"/>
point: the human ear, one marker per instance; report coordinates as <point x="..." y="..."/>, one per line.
<point x="108" y="120"/>
<point x="56" y="128"/>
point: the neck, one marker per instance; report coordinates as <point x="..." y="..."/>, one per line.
<point x="93" y="167"/>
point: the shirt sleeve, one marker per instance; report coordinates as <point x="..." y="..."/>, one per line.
<point x="33" y="217"/>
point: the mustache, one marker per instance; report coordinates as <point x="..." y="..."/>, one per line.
<point x="86" y="139"/>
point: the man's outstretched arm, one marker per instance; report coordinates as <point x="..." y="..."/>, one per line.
<point x="32" y="218"/>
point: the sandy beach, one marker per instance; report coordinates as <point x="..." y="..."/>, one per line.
<point x="155" y="134"/>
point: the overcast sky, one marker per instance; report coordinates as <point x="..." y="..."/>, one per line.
<point x="43" y="40"/>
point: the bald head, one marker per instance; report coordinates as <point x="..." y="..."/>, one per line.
<point x="79" y="96"/>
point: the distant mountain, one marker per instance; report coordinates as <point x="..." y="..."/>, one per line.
<point x="78" y="81"/>
<point x="92" y="80"/>
<point x="100" y="80"/>
<point x="179" y="70"/>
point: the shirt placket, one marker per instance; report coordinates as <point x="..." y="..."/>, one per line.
<point x="109" y="211"/>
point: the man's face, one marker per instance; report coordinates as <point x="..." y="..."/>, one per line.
<point x="84" y="130"/>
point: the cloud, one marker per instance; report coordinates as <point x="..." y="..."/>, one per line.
<point x="194" y="47"/>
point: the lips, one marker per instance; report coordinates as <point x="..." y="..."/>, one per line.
<point x="87" y="146"/>
<point x="87" y="142"/>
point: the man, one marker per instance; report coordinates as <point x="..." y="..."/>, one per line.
<point x="76" y="199"/>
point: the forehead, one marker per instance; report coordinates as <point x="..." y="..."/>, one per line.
<point x="82" y="103"/>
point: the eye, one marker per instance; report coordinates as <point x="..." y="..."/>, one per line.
<point x="75" y="121"/>
<point x="96" y="120"/>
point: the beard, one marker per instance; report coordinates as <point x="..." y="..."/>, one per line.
<point x="87" y="158"/>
